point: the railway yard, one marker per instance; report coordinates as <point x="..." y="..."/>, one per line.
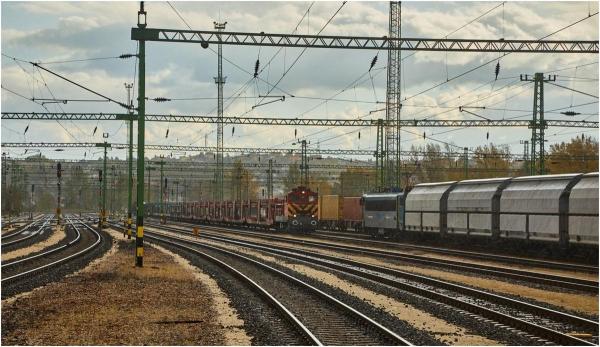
<point x="236" y="286"/>
<point x="290" y="173"/>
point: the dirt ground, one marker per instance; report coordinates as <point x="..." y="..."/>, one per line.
<point x="111" y="302"/>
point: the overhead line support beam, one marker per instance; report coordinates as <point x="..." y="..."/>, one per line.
<point x="408" y="123"/>
<point x="362" y="42"/>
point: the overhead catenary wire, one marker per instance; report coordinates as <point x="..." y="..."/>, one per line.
<point x="80" y="85"/>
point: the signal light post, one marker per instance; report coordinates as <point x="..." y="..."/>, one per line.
<point x="59" y="181"/>
<point x="102" y="223"/>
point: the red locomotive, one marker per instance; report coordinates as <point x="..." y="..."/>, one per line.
<point x="302" y="209"/>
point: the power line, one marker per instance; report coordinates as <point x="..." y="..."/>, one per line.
<point x="300" y="55"/>
<point x="573" y="90"/>
<point x="493" y="60"/>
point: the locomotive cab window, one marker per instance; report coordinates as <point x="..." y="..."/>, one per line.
<point x="380" y="205"/>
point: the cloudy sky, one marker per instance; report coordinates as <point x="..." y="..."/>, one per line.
<point x="327" y="83"/>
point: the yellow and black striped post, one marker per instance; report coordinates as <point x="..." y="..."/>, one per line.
<point x="139" y="246"/>
<point x="129" y="227"/>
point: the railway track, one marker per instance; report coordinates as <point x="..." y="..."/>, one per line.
<point x="503" y="272"/>
<point x="547" y="325"/>
<point x="364" y="238"/>
<point x="17" y="231"/>
<point x="37" y="226"/>
<point x="306" y="306"/>
<point x="24" y="270"/>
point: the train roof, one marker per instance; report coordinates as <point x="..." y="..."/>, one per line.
<point x="447" y="183"/>
<point x="546" y="177"/>
<point x="382" y="195"/>
<point x="484" y="180"/>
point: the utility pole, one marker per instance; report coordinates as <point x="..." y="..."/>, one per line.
<point x="128" y="86"/>
<point x="220" y="80"/>
<point x="525" y="144"/>
<point x="103" y="181"/>
<point x="176" y="191"/>
<point x="100" y="198"/>
<point x="80" y="201"/>
<point x="304" y="165"/>
<point x="149" y="169"/>
<point x="139" y="240"/>
<point x="112" y="194"/>
<point x="31" y="202"/>
<point x="379" y="158"/>
<point x="270" y="180"/>
<point x="162" y="194"/>
<point x="58" y="202"/>
<point x="466" y="162"/>
<point x="393" y="99"/>
<point x="538" y="124"/>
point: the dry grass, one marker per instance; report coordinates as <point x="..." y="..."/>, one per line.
<point x="114" y="303"/>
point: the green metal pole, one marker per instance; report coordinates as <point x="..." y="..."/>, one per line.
<point x="139" y="240"/>
<point x="104" y="187"/>
<point x="130" y="165"/>
<point x="162" y="195"/>
<point x="466" y="163"/>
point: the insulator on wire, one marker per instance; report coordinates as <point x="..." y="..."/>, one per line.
<point x="570" y="113"/>
<point x="167" y="134"/>
<point x="359" y="135"/>
<point x="497" y="69"/>
<point x="58" y="170"/>
<point x="373" y="62"/>
<point x="26" y="128"/>
<point x="295" y="133"/>
<point x="487" y="135"/>
<point x="256" y="66"/>
<point x="232" y="131"/>
<point x="95" y="129"/>
<point x="423" y="135"/>
<point x="100" y="175"/>
<point x="161" y="99"/>
<point x="127" y="56"/>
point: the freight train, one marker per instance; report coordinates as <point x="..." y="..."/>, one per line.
<point x="298" y="212"/>
<point x="557" y="209"/>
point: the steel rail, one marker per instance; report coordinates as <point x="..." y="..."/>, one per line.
<point x="357" y="268"/>
<point x="59" y="261"/>
<point x="18" y="231"/>
<point x="477" y="255"/>
<point x="530" y="276"/>
<point x="35" y="233"/>
<point x="261" y="291"/>
<point x="53" y="250"/>
<point x="371" y="322"/>
<point x="524" y="275"/>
